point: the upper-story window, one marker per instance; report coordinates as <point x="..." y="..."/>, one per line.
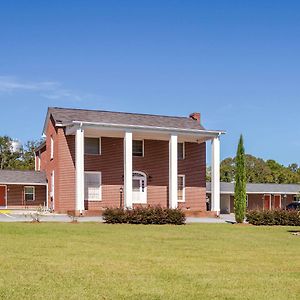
<point x="51" y="148"/>
<point x="92" y="145"/>
<point x="181" y="151"/>
<point x="138" y="148"/>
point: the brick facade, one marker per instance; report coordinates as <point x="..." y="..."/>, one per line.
<point x="155" y="164"/>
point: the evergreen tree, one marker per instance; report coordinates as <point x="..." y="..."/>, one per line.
<point x="240" y="183"/>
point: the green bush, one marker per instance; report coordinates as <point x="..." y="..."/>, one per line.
<point x="274" y="217"/>
<point x="144" y="215"/>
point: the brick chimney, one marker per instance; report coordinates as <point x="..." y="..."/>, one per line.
<point x="196" y="116"/>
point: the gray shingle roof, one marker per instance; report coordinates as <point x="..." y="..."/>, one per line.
<point x="260" y="188"/>
<point x="22" y="177"/>
<point x="67" y="115"/>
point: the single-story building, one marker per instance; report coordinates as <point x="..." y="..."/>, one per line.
<point x="264" y="196"/>
<point x="22" y="189"/>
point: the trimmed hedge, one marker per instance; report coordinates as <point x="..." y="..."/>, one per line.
<point x="144" y="215"/>
<point x="274" y="217"/>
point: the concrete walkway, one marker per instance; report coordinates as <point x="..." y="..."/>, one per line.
<point x="21" y="216"/>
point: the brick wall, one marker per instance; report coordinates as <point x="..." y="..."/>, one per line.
<point x="155" y="164"/>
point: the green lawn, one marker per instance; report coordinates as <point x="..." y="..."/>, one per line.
<point x="98" y="261"/>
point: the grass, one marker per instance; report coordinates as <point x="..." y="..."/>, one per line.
<point x="98" y="261"/>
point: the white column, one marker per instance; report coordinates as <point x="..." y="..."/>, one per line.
<point x="128" y="170"/>
<point x="173" y="172"/>
<point x="215" y="175"/>
<point x="79" y="158"/>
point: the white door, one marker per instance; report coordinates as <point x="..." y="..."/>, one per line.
<point x="139" y="188"/>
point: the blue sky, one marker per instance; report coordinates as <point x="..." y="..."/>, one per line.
<point x="237" y="62"/>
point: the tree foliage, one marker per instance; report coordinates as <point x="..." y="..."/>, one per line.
<point x="261" y="171"/>
<point x="22" y="159"/>
<point x="240" y="183"/>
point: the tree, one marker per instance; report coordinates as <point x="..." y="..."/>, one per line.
<point x="240" y="183"/>
<point x="23" y="159"/>
<point x="8" y="158"/>
<point x="227" y="169"/>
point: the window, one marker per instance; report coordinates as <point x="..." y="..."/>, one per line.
<point x="181" y="188"/>
<point x="92" y="186"/>
<point x="138" y="148"/>
<point x="29" y="192"/>
<point x="52" y="185"/>
<point x="51" y="148"/>
<point x="181" y="151"/>
<point x="92" y="145"/>
<point x="38" y="161"/>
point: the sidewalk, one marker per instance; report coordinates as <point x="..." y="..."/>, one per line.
<point x="22" y="216"/>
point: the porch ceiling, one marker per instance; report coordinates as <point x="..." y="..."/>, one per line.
<point x="197" y="136"/>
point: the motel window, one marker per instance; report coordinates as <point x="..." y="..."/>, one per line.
<point x="51" y="148"/>
<point x="181" y="188"/>
<point x="92" y="186"/>
<point x="181" y="151"/>
<point x="92" y="145"/>
<point x="138" y="148"/>
<point x="29" y="192"/>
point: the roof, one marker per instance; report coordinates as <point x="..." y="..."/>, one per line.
<point x="69" y="115"/>
<point x="259" y="188"/>
<point x="22" y="177"/>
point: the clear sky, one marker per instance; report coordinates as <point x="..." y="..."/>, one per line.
<point x="236" y="62"/>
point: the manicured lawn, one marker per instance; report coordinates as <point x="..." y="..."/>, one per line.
<point x="98" y="261"/>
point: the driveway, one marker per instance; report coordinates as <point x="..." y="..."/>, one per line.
<point x="21" y="216"/>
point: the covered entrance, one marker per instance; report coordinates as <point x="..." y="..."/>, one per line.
<point x="139" y="188"/>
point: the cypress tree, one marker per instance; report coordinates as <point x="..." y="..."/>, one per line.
<point x="240" y="183"/>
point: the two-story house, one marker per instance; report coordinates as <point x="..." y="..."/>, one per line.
<point x="98" y="159"/>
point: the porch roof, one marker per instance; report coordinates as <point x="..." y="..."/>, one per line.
<point x="258" y="188"/>
<point x="22" y="177"/>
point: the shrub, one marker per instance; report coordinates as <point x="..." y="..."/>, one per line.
<point x="274" y="217"/>
<point x="144" y="215"/>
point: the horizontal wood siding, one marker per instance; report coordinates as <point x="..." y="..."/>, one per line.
<point x="15" y="196"/>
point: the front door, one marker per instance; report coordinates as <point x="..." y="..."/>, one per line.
<point x="277" y="201"/>
<point x="267" y="200"/>
<point x="2" y="195"/>
<point x="139" y="188"/>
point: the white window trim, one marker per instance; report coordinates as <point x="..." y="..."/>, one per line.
<point x="100" y="145"/>
<point x="39" y="161"/>
<point x="143" y="148"/>
<point x="99" y="173"/>
<point x="52" y="178"/>
<point x="51" y="147"/>
<point x="183" y="191"/>
<point x="28" y="186"/>
<point x="183" y="150"/>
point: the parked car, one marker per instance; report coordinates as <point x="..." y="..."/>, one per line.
<point x="293" y="206"/>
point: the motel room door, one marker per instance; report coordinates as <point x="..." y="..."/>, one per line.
<point x="2" y="196"/>
<point x="267" y="202"/>
<point x="276" y="202"/>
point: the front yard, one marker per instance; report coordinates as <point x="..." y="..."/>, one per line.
<point x="98" y="261"/>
